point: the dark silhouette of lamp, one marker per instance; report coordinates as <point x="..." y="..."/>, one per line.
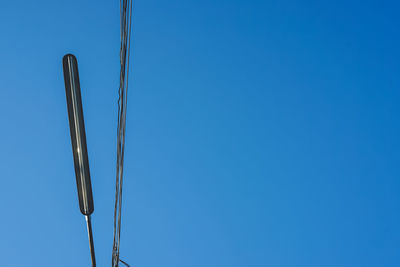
<point x="78" y="140"/>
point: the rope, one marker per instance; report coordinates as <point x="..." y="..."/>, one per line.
<point x="126" y="22"/>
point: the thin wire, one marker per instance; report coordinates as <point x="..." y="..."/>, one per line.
<point x="126" y="22"/>
<point x="126" y="264"/>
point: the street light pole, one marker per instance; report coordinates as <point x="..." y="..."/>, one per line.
<point x="78" y="140"/>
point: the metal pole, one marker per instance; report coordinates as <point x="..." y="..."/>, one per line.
<point x="78" y="140"/>
<point x="91" y="244"/>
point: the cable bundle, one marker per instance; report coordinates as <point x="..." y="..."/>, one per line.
<point x="126" y="22"/>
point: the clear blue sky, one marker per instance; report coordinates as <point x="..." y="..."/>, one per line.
<point x="260" y="133"/>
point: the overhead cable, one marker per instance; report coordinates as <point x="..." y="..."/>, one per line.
<point x="126" y="22"/>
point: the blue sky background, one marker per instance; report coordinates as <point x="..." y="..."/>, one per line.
<point x="260" y="133"/>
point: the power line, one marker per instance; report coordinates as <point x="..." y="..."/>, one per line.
<point x="126" y="22"/>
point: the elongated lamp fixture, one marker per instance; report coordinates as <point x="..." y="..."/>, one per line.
<point x="78" y="140"/>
